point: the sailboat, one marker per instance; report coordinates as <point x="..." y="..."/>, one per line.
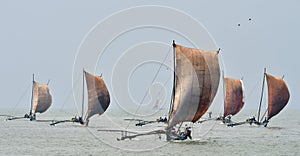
<point x="98" y="99"/>
<point x="41" y="100"/>
<point x="196" y="81"/>
<point x="278" y="97"/>
<point x="195" y="84"/>
<point x="234" y="98"/>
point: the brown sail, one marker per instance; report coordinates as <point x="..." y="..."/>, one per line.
<point x="278" y="95"/>
<point x="42" y="98"/>
<point x="98" y="95"/>
<point x="197" y="81"/>
<point x="235" y="98"/>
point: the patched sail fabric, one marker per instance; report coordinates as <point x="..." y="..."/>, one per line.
<point x="98" y="95"/>
<point x="42" y="98"/>
<point x="235" y="97"/>
<point x="278" y="95"/>
<point x="197" y="81"/>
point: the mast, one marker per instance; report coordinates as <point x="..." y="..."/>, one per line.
<point x="174" y="79"/>
<point x="32" y="94"/>
<point x="82" y="104"/>
<point x="262" y="93"/>
<point x="224" y="92"/>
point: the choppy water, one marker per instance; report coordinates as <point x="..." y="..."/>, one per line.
<point x="22" y="137"/>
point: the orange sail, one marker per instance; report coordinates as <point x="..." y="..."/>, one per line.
<point x="278" y="95"/>
<point x="42" y="98"/>
<point x="98" y="95"/>
<point x="235" y="97"/>
<point x="197" y="81"/>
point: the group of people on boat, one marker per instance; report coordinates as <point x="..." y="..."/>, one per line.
<point x="185" y="134"/>
<point x="161" y="119"/>
<point x="30" y="116"/>
<point x="78" y="119"/>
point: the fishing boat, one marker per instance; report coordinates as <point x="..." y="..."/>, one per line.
<point x="278" y="97"/>
<point x="196" y="81"/>
<point x="98" y="99"/>
<point x="41" y="100"/>
<point x="195" y="84"/>
<point x="234" y="98"/>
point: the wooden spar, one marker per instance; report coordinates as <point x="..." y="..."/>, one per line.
<point x="236" y="124"/>
<point x="62" y="121"/>
<point x="141" y="134"/>
<point x="179" y="127"/>
<point x="82" y="104"/>
<point x="15" y="118"/>
<point x="6" y="115"/>
<point x="262" y="93"/>
<point x="32" y="94"/>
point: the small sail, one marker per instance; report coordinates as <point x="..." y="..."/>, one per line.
<point x="235" y="97"/>
<point x="98" y="95"/>
<point x="278" y="95"/>
<point x="197" y="81"/>
<point x="42" y="98"/>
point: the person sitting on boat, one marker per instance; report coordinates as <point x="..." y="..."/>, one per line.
<point x="227" y="119"/>
<point x="251" y="120"/>
<point x="165" y="120"/>
<point x="26" y="116"/>
<point x="32" y="117"/>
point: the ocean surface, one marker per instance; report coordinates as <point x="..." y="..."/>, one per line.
<point x="23" y="137"/>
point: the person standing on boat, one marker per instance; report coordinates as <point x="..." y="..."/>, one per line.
<point x="209" y="115"/>
<point x="187" y="133"/>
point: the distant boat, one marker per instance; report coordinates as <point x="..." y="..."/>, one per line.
<point x="195" y="84"/>
<point x="278" y="97"/>
<point x="41" y="100"/>
<point x="98" y="99"/>
<point x="234" y="98"/>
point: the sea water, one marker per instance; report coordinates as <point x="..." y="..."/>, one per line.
<point x="23" y="137"/>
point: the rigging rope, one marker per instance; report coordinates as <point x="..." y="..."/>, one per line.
<point x="22" y="96"/>
<point x="154" y="78"/>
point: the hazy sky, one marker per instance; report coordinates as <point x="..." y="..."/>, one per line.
<point x="44" y="37"/>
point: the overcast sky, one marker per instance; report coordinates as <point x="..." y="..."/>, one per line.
<point x="44" y="37"/>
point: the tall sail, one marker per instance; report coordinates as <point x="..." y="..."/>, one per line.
<point x="98" y="95"/>
<point x="278" y="95"/>
<point x="197" y="81"/>
<point x="42" y="98"/>
<point x="235" y="97"/>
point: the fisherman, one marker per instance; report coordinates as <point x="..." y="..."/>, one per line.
<point x="78" y="119"/>
<point x="165" y="120"/>
<point x="187" y="133"/>
<point x="209" y="115"/>
<point x="251" y="120"/>
<point x="32" y="117"/>
<point x="26" y="116"/>
<point x="265" y="122"/>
